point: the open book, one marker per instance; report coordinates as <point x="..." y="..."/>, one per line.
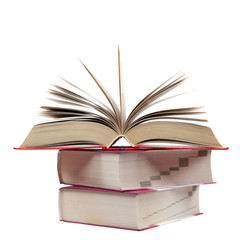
<point x="94" y="123"/>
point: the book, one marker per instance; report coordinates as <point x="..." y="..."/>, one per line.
<point x="124" y="170"/>
<point x="85" y="121"/>
<point x="135" y="210"/>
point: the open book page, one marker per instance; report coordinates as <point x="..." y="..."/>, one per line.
<point x="152" y="98"/>
<point x="145" y="101"/>
<point x="171" y="114"/>
<point x="95" y="103"/>
<point x="108" y="97"/>
<point x="73" y="105"/>
<point x="121" y="95"/>
<point x="163" y="131"/>
<point x="69" y="132"/>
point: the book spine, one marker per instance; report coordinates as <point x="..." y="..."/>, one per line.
<point x="59" y="206"/>
<point x="59" y="167"/>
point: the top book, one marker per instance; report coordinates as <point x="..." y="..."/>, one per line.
<point x="102" y="125"/>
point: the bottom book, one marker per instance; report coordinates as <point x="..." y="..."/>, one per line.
<point x="133" y="209"/>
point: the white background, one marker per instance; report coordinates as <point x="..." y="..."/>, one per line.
<point x="40" y="40"/>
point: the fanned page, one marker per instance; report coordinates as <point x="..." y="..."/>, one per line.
<point x="121" y="95"/>
<point x="80" y="119"/>
<point x="108" y="97"/>
<point x="153" y="95"/>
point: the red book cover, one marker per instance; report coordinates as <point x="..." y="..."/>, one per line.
<point x="136" y="148"/>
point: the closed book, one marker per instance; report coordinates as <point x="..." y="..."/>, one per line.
<point x="136" y="209"/>
<point x="125" y="170"/>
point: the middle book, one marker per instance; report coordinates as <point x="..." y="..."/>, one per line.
<point x="125" y="170"/>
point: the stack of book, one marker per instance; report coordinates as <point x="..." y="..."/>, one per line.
<point x="137" y="187"/>
<point x="131" y="188"/>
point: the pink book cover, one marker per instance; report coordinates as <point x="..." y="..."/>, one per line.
<point x="134" y="192"/>
<point x="133" y="229"/>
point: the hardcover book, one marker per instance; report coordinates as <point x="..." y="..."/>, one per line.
<point x="123" y="170"/>
<point x="135" y="210"/>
